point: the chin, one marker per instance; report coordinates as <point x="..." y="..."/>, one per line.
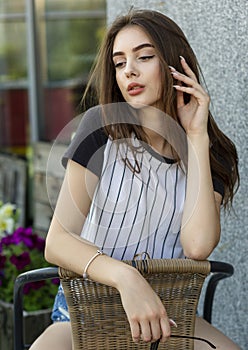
<point x="137" y="105"/>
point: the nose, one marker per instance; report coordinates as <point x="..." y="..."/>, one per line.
<point x="131" y="70"/>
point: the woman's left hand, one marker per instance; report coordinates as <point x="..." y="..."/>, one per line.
<point x="194" y="114"/>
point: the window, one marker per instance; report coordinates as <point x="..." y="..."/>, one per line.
<point x="13" y="74"/>
<point x="44" y="68"/>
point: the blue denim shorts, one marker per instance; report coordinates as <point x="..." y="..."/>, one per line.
<point x="60" y="309"/>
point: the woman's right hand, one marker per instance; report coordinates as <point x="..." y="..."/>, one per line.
<point x="145" y="312"/>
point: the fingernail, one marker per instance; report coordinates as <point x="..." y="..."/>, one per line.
<point x="172" y="322"/>
<point x="172" y="68"/>
<point x="182" y="58"/>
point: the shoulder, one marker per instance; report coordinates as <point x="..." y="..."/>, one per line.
<point x="91" y="120"/>
<point x="88" y="142"/>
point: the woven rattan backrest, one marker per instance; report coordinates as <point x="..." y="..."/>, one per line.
<point x="99" y="321"/>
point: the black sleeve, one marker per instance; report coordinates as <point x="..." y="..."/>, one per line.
<point x="88" y="144"/>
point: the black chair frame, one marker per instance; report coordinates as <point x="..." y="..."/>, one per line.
<point x="219" y="271"/>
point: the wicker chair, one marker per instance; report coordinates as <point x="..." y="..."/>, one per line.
<point x="97" y="316"/>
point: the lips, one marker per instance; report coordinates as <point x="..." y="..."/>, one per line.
<point x="134" y="89"/>
<point x="134" y="86"/>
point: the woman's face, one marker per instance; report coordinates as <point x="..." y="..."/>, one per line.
<point x="137" y="66"/>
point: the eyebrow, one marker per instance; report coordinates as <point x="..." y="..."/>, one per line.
<point x="135" y="49"/>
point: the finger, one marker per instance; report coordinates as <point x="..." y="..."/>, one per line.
<point x="135" y="331"/>
<point x="165" y="329"/>
<point x="198" y="94"/>
<point x="187" y="68"/>
<point x="155" y="330"/>
<point x="172" y="322"/>
<point x="145" y="329"/>
<point x="188" y="82"/>
<point x="180" y="98"/>
<point x="184" y="78"/>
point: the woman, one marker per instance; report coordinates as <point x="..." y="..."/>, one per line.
<point x="151" y="147"/>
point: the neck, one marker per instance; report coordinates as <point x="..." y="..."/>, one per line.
<point x="158" y="144"/>
<point x="153" y="122"/>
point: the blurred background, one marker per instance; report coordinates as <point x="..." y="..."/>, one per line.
<point x="46" y="50"/>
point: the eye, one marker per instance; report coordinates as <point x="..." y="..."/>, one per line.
<point x="146" y="58"/>
<point x="119" y="64"/>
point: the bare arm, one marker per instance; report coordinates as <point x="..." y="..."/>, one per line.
<point x="64" y="246"/>
<point x="145" y="311"/>
<point x="200" y="231"/>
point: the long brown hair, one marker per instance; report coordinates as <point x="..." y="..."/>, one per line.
<point x="169" y="42"/>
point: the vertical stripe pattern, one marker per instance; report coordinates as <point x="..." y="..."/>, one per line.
<point x="136" y="212"/>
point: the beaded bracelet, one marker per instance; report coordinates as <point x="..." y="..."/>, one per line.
<point x="85" y="274"/>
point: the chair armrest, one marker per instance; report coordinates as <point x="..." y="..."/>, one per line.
<point x="219" y="271"/>
<point x="21" y="280"/>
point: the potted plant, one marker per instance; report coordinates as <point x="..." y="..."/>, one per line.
<point x="21" y="251"/>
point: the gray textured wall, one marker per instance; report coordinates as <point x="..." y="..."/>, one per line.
<point x="217" y="30"/>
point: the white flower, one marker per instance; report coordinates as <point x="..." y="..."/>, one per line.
<point x="7" y="210"/>
<point x="8" y="218"/>
<point x="10" y="225"/>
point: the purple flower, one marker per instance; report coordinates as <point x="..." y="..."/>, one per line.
<point x="20" y="261"/>
<point x="32" y="240"/>
<point x="40" y="243"/>
<point x="25" y="236"/>
<point x="20" y="251"/>
<point x="55" y="281"/>
<point x="15" y="238"/>
<point x="7" y="240"/>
